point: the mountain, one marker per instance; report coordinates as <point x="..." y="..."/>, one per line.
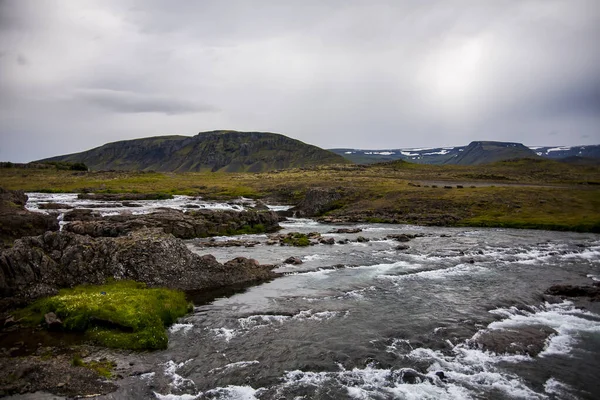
<point x="479" y="152"/>
<point x="487" y="152"/>
<point x="228" y="151"/>
<point x="592" y="151"/>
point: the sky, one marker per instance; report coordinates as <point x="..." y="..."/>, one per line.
<point x="75" y="74"/>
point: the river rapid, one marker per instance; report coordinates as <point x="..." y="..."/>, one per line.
<point x="365" y="320"/>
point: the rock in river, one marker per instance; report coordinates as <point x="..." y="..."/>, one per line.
<point x="41" y="265"/>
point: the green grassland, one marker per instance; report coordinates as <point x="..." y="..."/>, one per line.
<point x="540" y="194"/>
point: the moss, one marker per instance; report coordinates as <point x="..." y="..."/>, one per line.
<point x="119" y="314"/>
<point x="102" y="368"/>
<point x="296" y="239"/>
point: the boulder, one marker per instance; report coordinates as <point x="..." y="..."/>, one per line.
<point x="317" y="201"/>
<point x="524" y="340"/>
<point x="592" y="292"/>
<point x="17" y="222"/>
<point x="293" y="261"/>
<point x="40" y="265"/>
<point x="184" y="225"/>
<point x="52" y="321"/>
<point x="346" y="230"/>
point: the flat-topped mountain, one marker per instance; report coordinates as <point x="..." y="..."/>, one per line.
<point x="228" y="151"/>
<point x="479" y="152"/>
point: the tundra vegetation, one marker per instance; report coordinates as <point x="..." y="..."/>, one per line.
<point x="525" y="193"/>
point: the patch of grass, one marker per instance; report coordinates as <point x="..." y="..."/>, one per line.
<point x="102" y="368"/>
<point x="119" y="314"/>
<point x="297" y="239"/>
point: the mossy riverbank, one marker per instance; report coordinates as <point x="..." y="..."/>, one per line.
<point x="119" y="314"/>
<point x="540" y="194"/>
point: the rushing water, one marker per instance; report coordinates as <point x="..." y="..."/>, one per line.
<point x="350" y="320"/>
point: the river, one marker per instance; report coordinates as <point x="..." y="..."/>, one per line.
<point x="362" y="320"/>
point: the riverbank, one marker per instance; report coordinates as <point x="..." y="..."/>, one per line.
<point x="529" y="194"/>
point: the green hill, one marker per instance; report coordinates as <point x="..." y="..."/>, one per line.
<point x="227" y="151"/>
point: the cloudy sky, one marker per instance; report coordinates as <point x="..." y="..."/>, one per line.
<point x="75" y="74"/>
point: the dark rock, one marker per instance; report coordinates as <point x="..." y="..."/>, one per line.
<point x="316" y="202"/>
<point x="593" y="292"/>
<point x="131" y="204"/>
<point x="403" y="237"/>
<point x="52" y="321"/>
<point x="39" y="266"/>
<point x="17" y="222"/>
<point x="54" y="206"/>
<point x="184" y="225"/>
<point x="328" y="241"/>
<point x="343" y="241"/>
<point x="260" y="206"/>
<point x="402" y="247"/>
<point x="293" y="261"/>
<point x="228" y="243"/>
<point x="346" y="230"/>
<point x="362" y="239"/>
<point x="524" y="340"/>
<point x="124" y="196"/>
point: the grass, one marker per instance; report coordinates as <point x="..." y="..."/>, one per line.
<point x="542" y="194"/>
<point x="119" y="314"/>
<point x="102" y="368"/>
<point x="297" y="239"/>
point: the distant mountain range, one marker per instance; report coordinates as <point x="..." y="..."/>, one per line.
<point x="227" y="151"/>
<point x="233" y="151"/>
<point x="479" y="152"/>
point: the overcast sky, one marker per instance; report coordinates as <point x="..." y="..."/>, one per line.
<point x="75" y="74"/>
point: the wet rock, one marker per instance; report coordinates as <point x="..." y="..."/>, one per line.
<point x="403" y="237"/>
<point x="402" y="247"/>
<point x="260" y="206"/>
<point x="328" y="241"/>
<point x="184" y="225"/>
<point x="131" y="204"/>
<point x="317" y="201"/>
<point x="228" y="243"/>
<point x="17" y="222"/>
<point x="362" y="239"/>
<point x="124" y="196"/>
<point x="293" y="261"/>
<point x="592" y="292"/>
<point x="54" y="206"/>
<point x="347" y="230"/>
<point x="52" y="321"/>
<point x="41" y="265"/>
<point x="343" y="241"/>
<point x="524" y="340"/>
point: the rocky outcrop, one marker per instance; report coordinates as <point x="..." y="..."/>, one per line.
<point x="591" y="292"/>
<point x="317" y="201"/>
<point x="524" y="340"/>
<point x="184" y="225"/>
<point x="39" y="266"/>
<point x="16" y="221"/>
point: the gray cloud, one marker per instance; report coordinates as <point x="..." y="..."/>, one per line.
<point x="127" y="102"/>
<point x="336" y="74"/>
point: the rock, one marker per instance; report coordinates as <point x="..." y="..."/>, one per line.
<point x="54" y="206"/>
<point x="524" y="340"/>
<point x="260" y="206"/>
<point x="317" y="201"/>
<point x="124" y="196"/>
<point x="347" y="230"/>
<point x="343" y="241"/>
<point x="293" y="261"/>
<point x="592" y="292"/>
<point x="184" y="225"/>
<point x="130" y="204"/>
<point x="41" y="265"/>
<point x="362" y="239"/>
<point x="402" y="247"/>
<point x="402" y="237"/>
<point x="329" y="241"/>
<point x="52" y="321"/>
<point x="17" y="222"/>
<point x="228" y="243"/>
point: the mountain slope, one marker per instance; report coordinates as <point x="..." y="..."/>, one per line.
<point x="485" y="152"/>
<point x="591" y="151"/>
<point x="480" y="152"/>
<point x="228" y="151"/>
